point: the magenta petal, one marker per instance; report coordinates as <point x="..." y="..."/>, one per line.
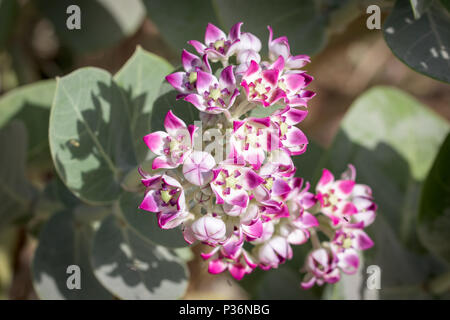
<point x="294" y="81"/>
<point x="252" y="179"/>
<point x="277" y="95"/>
<point x="149" y="203"/>
<point x="155" y="141"/>
<point x="190" y="61"/>
<point x="253" y="231"/>
<point x="295" y="116"/>
<point x="162" y="163"/>
<point x="262" y="121"/>
<point x="326" y="178"/>
<point x="196" y="100"/>
<point x="176" y="81"/>
<point x="172" y="123"/>
<point x="235" y="31"/>
<point x="216" y="266"/>
<point x="240" y="200"/>
<point x="346" y="186"/>
<point x="280" y="187"/>
<point x="308" y="220"/>
<point x="237" y="271"/>
<point x="349" y="209"/>
<point x="271" y="76"/>
<point x="227" y="79"/>
<point x="363" y="241"/>
<point x="308" y="281"/>
<point x="213" y="34"/>
<point x="208" y="255"/>
<point x="252" y="69"/>
<point x="205" y="81"/>
<point x="278" y="64"/>
<point x="198" y="46"/>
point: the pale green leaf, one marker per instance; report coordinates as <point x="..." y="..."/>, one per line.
<point x="90" y="137"/>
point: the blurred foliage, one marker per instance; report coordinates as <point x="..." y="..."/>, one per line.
<point x="434" y="211"/>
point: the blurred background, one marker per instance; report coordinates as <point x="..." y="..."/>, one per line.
<point x="347" y="59"/>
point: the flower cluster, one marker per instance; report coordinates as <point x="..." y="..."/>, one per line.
<point x="249" y="206"/>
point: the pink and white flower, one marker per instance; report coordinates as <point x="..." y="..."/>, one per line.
<point x="251" y="139"/>
<point x="273" y="252"/>
<point x="346" y="244"/>
<point x="172" y="146"/>
<point x="238" y="266"/>
<point x="261" y="85"/>
<point x="321" y="266"/>
<point x="231" y="184"/>
<point x="186" y="82"/>
<point x="214" y="96"/>
<point x="344" y="201"/>
<point x="252" y="197"/>
<point x="165" y="196"/>
<point x="219" y="47"/>
<point x="291" y="138"/>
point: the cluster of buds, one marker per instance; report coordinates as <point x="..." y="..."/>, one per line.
<point x="247" y="203"/>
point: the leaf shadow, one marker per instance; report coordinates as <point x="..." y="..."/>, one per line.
<point x="129" y="263"/>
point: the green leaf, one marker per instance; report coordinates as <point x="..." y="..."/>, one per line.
<point x="167" y="101"/>
<point x="419" y="7"/>
<point x="422" y="44"/>
<point x="90" y="137"/>
<point x="392" y="140"/>
<point x="64" y="242"/>
<point x="300" y="21"/>
<point x="31" y="104"/>
<point x="261" y="112"/>
<point x="434" y="211"/>
<point x="146" y="224"/>
<point x="180" y="21"/>
<point x="56" y="191"/>
<point x="133" y="268"/>
<point x="103" y="22"/>
<point x="16" y="193"/>
<point x="8" y="12"/>
<point x="141" y="77"/>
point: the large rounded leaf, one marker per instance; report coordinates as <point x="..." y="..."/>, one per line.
<point x="141" y="77"/>
<point x="64" y="242"/>
<point x="103" y="22"/>
<point x="434" y="212"/>
<point x="90" y="137"/>
<point x="146" y="224"/>
<point x="132" y="267"/>
<point x="424" y="43"/>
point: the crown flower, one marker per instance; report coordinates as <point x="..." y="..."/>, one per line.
<point x="248" y="204"/>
